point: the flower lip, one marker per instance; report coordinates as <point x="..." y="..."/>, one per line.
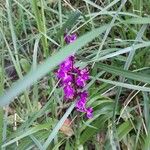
<point x="89" y="112"/>
<point x="80" y="105"/>
<point x="80" y="82"/>
<point x="67" y="64"/>
<point x="84" y="94"/>
<point x="70" y="38"/>
<point x="84" y="73"/>
<point x="69" y="91"/>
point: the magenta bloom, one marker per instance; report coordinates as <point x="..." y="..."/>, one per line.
<point x="60" y="73"/>
<point x="80" y="82"/>
<point x="67" y="64"/>
<point x="67" y="78"/>
<point x="89" y="112"/>
<point x="81" y="103"/>
<point x="73" y="80"/>
<point x="84" y="95"/>
<point x="70" y="38"/>
<point x="69" y="91"/>
<point x="84" y="74"/>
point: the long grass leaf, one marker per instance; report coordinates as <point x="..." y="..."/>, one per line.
<point x="58" y="126"/>
<point x="124" y="73"/>
<point x="48" y="65"/>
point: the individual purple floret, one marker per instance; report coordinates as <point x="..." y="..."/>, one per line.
<point x="84" y="95"/>
<point x="67" y="64"/>
<point x="80" y="82"/>
<point x="89" y="112"/>
<point x="69" y="91"/>
<point x="70" y="38"/>
<point x="84" y="74"/>
<point x="67" y="78"/>
<point x="81" y="103"/>
<point x="73" y="80"/>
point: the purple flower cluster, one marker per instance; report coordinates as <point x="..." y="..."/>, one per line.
<point x="73" y="80"/>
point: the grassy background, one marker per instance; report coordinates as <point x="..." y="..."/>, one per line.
<point x="113" y="41"/>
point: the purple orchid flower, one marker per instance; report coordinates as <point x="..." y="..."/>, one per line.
<point x="73" y="80"/>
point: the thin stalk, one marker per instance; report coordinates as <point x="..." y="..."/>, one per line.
<point x="40" y="20"/>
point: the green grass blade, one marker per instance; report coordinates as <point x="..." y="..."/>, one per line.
<point x="1" y="125"/>
<point x="48" y="65"/>
<point x="68" y="24"/>
<point x="146" y="110"/>
<point x="142" y="20"/>
<point x="126" y="67"/>
<point x="1" y="108"/>
<point x="123" y="51"/>
<point x="29" y="132"/>
<point x="37" y="142"/>
<point x="40" y="20"/>
<point x="124" y="129"/>
<point x="125" y="85"/>
<point x="109" y="28"/>
<point x="14" y="38"/>
<point x="26" y="10"/>
<point x="57" y="127"/>
<point x="124" y="73"/>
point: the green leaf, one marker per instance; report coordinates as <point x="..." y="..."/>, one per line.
<point x="67" y="146"/>
<point x="124" y="73"/>
<point x="58" y="145"/>
<point x="57" y="127"/>
<point x="1" y="108"/>
<point x="125" y="85"/>
<point x="146" y="109"/>
<point x="41" y="23"/>
<point x="27" y="142"/>
<point x="25" y="65"/>
<point x="144" y="20"/>
<point x="28" y="132"/>
<point x="147" y="143"/>
<point x="124" y="129"/>
<point x="89" y="132"/>
<point x="102" y="112"/>
<point x="1" y="124"/>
